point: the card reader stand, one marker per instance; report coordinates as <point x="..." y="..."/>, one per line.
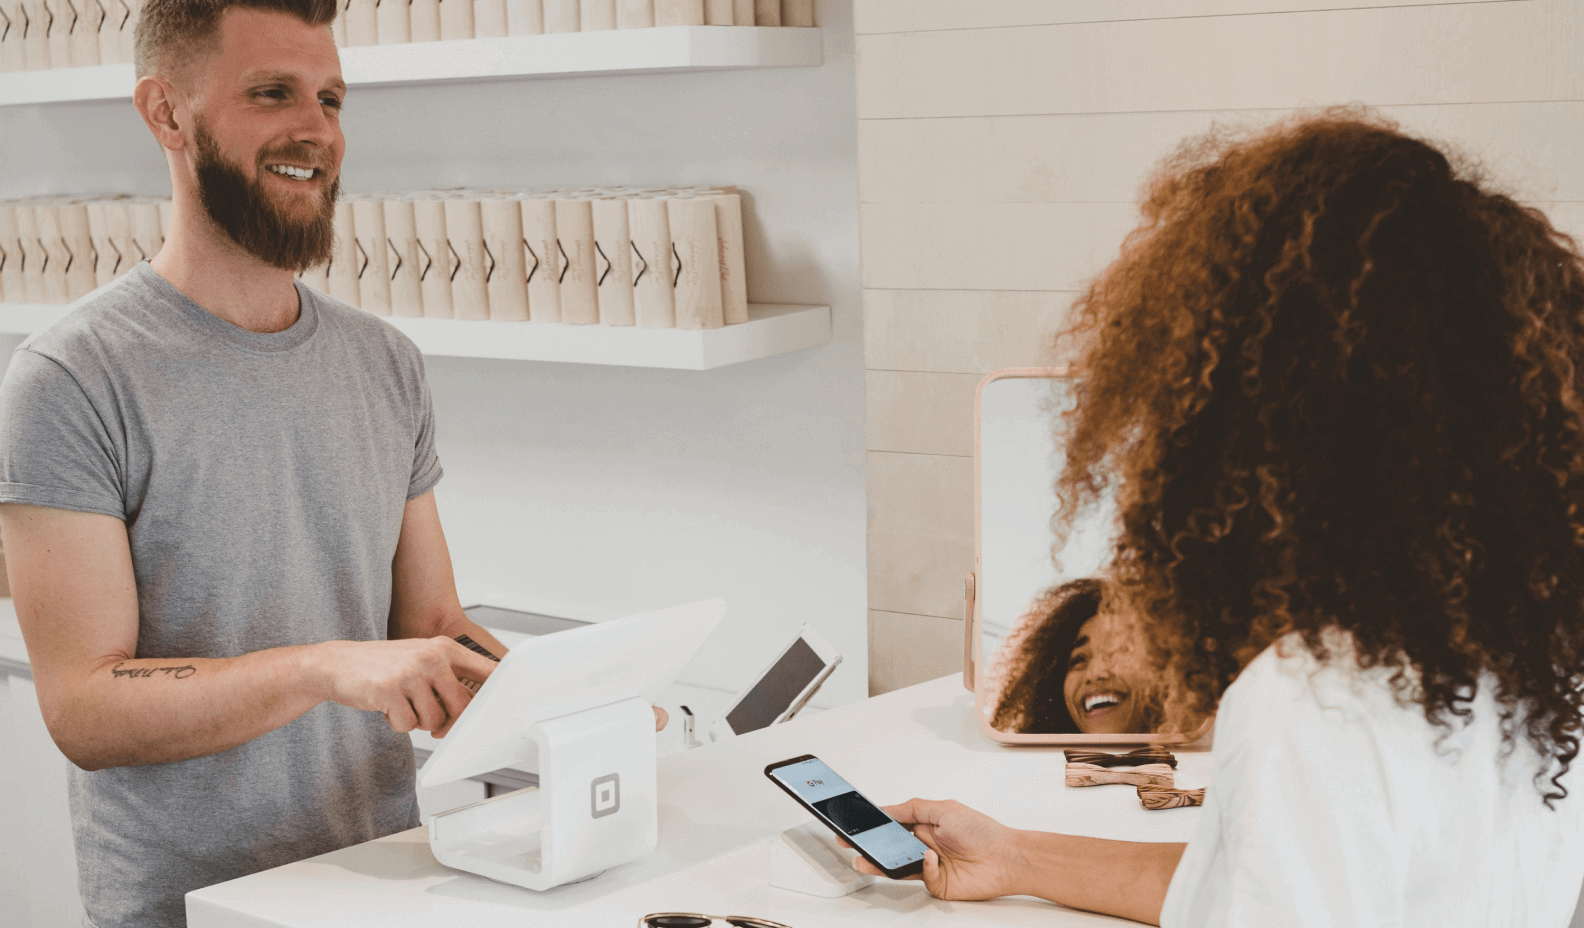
<point x="594" y="808"/>
<point x="806" y="859"/>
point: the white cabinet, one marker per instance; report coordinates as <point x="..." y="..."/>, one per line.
<point x="38" y="868"/>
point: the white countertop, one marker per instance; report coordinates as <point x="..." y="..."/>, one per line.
<point x="717" y="814"/>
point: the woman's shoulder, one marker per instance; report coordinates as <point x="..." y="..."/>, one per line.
<point x="1309" y="701"/>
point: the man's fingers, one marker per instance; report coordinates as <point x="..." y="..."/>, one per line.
<point x="467" y="663"/>
<point x="862" y="865"/>
<point x="401" y="717"/>
<point x="431" y="713"/>
<point x="453" y="696"/>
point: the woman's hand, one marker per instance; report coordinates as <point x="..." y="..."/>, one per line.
<point x="970" y="856"/>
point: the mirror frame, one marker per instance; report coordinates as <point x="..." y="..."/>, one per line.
<point x="973" y="643"/>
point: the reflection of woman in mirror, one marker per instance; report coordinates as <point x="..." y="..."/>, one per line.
<point x="1336" y="383"/>
<point x="1072" y="667"/>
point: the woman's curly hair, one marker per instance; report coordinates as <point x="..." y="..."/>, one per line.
<point x="1335" y="381"/>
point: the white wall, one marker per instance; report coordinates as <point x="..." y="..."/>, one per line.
<point x="597" y="491"/>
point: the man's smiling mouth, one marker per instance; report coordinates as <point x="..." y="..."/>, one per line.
<point x="286" y="170"/>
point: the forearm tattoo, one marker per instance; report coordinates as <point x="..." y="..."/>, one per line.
<point x="133" y="673"/>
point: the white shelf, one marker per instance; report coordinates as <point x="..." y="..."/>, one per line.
<point x="771" y="329"/>
<point x="617" y="51"/>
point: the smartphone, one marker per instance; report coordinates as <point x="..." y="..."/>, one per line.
<point x="844" y="810"/>
<point x="782" y="688"/>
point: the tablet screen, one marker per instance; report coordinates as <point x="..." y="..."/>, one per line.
<point x="774" y="693"/>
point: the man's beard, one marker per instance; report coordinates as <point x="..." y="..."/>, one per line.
<point x="250" y="216"/>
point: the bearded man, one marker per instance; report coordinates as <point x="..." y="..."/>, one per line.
<point x="217" y="508"/>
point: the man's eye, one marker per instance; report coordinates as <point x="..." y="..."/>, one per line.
<point x="332" y="102"/>
<point x="273" y="93"/>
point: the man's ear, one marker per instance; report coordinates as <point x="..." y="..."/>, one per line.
<point x="155" y="99"/>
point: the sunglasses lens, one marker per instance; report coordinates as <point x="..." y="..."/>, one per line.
<point x="676" y="921"/>
<point x="737" y="921"/>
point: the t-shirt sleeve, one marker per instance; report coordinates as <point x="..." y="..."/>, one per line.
<point x="56" y="449"/>
<point x="1297" y="829"/>
<point x="426" y="470"/>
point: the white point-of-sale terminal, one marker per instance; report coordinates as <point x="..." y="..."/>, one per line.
<point x="578" y="701"/>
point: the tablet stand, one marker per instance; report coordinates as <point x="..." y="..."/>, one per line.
<point x="806" y="859"/>
<point x="594" y="807"/>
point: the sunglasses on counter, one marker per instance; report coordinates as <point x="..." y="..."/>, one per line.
<point x="695" y="920"/>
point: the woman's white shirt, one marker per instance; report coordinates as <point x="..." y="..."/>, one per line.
<point x="1331" y="804"/>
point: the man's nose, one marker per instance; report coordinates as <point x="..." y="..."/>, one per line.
<point x="312" y="126"/>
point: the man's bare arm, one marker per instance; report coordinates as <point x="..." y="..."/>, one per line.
<point x="76" y="599"/>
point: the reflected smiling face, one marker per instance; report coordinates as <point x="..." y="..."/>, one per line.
<point x="1106" y="687"/>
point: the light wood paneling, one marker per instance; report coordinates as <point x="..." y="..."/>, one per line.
<point x="1535" y="149"/>
<point x="874" y="16"/>
<point x="990" y="246"/>
<point x="1401" y="55"/>
<point x="921" y="413"/>
<point x="920" y="532"/>
<point x="908" y="649"/>
<point x="961" y="331"/>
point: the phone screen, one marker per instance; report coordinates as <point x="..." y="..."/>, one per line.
<point x="859" y="820"/>
<point x="774" y="692"/>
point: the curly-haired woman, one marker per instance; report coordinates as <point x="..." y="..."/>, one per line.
<point x="1335" y="383"/>
<point x="1072" y="667"/>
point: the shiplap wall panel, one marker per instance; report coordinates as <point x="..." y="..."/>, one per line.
<point x="920" y="532"/>
<point x="961" y="331"/>
<point x="875" y="16"/>
<point x="988" y="246"/>
<point x="934" y="648"/>
<point x="1106" y="157"/>
<point x="998" y="168"/>
<point x="921" y="413"/>
<point x="1392" y="56"/>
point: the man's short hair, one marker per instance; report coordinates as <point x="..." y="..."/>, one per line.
<point x="183" y="27"/>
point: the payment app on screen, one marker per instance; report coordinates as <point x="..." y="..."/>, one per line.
<point x="864" y="826"/>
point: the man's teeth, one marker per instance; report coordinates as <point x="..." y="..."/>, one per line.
<point x="1101" y="701"/>
<point x="289" y="171"/>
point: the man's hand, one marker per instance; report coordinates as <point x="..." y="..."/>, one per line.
<point x="970" y="856"/>
<point x="412" y="682"/>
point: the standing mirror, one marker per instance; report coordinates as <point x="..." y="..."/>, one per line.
<point x="1047" y="662"/>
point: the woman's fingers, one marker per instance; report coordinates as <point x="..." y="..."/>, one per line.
<point x="919" y="811"/>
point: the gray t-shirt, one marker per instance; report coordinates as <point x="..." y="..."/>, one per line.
<point x="262" y="479"/>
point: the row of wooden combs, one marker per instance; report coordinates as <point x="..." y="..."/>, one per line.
<point x="1151" y="770"/>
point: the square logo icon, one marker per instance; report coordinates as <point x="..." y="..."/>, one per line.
<point x="605" y="795"/>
